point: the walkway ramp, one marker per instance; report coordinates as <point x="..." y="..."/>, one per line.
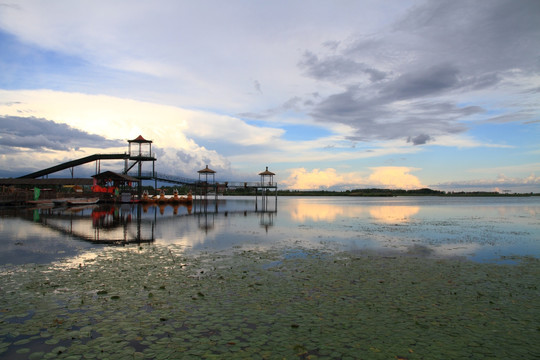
<point x="73" y="163"/>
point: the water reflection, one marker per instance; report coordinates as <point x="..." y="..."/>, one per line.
<point x="393" y="214"/>
<point x="110" y="224"/>
<point x="100" y="224"/>
<point x="304" y="210"/>
<point x="147" y="206"/>
<point x="479" y="229"/>
<point x="266" y="219"/>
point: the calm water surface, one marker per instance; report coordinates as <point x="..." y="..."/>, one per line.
<point x="480" y="229"/>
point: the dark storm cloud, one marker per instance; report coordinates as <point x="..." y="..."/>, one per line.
<point x="377" y="119"/>
<point x="427" y="82"/>
<point x="337" y="68"/>
<point x="533" y="90"/>
<point x="41" y="134"/>
<point x="483" y="35"/>
<point x="402" y="84"/>
<point x="419" y="140"/>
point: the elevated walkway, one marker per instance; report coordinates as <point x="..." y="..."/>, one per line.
<point x="74" y="163"/>
<point x="172" y="179"/>
<point x="140" y="152"/>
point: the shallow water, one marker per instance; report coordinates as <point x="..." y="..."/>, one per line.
<point x="493" y="229"/>
<point x="297" y="280"/>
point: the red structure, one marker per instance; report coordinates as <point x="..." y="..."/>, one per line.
<point x="109" y="182"/>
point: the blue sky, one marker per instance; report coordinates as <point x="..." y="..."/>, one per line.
<point x="328" y="94"/>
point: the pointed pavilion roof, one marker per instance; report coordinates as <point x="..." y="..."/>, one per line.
<point x="206" y="170"/>
<point x="266" y="172"/>
<point x="140" y="139"/>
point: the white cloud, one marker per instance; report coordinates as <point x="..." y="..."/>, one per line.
<point x="389" y="78"/>
<point x="209" y="51"/>
<point x="462" y="141"/>
<point x="302" y="179"/>
<point x="391" y="177"/>
<point x="176" y="129"/>
<point x="113" y="117"/>
<point x="394" y="177"/>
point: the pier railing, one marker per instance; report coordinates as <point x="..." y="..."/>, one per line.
<point x="187" y="181"/>
<point x="168" y="178"/>
<point x="251" y="184"/>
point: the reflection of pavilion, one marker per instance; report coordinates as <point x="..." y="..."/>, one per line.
<point x="205" y="221"/>
<point x="204" y="187"/>
<point x="266" y="219"/>
<point x="206" y="215"/>
<point x="267" y="183"/>
<point x="100" y="224"/>
<point x="119" y="225"/>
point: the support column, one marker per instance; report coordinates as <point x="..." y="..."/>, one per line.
<point x="139" y="190"/>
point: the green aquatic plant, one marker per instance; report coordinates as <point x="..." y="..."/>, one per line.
<point x="157" y="302"/>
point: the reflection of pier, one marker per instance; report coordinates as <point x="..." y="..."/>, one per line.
<point x="267" y="183"/>
<point x="207" y="216"/>
<point x="206" y="219"/>
<point x="207" y="211"/>
<point x="99" y="225"/>
<point x="135" y="223"/>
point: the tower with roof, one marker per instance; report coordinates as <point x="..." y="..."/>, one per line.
<point x="140" y="150"/>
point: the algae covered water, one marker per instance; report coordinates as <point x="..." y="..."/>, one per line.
<point x="406" y="278"/>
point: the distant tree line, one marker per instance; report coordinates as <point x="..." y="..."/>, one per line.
<point x="355" y="192"/>
<point x="393" y="192"/>
<point x="362" y="192"/>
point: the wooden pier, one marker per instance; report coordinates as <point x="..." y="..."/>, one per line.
<point x="139" y="153"/>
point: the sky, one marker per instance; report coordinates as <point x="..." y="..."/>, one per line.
<point x="331" y="95"/>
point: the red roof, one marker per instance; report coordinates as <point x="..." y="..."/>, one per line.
<point x="140" y="139"/>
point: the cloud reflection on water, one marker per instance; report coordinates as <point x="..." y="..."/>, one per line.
<point x="303" y="211"/>
<point x="393" y="214"/>
<point x="482" y="229"/>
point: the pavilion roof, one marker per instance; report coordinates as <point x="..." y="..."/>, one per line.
<point x="266" y="172"/>
<point x="206" y="170"/>
<point x="140" y="139"/>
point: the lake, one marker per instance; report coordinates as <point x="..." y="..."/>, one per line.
<point x="290" y="278"/>
<point x="482" y="229"/>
